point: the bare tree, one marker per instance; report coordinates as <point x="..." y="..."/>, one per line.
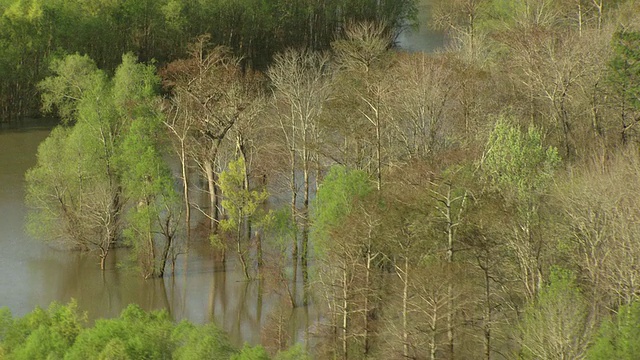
<point x="209" y="87"/>
<point x="363" y="61"/>
<point x="420" y="114"/>
<point x="301" y="89"/>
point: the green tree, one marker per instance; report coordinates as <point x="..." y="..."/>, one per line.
<point x="74" y="190"/>
<point x="556" y="325"/>
<point x="296" y="352"/>
<point x="625" y="78"/>
<point x="241" y="205"/>
<point x="517" y="165"/>
<point x="619" y="337"/>
<point x="146" y="177"/>
<point x="201" y="342"/>
<point x="334" y="201"/>
<point x="344" y="257"/>
<point x="136" y="334"/>
<point x="109" y="152"/>
<point x="251" y="353"/>
<point x="42" y="334"/>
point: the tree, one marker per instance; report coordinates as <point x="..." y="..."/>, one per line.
<point x="180" y="128"/>
<point x="339" y="248"/>
<point x="520" y="168"/>
<point x="146" y="178"/>
<point x="461" y="20"/>
<point x="364" y="64"/>
<point x="108" y="154"/>
<point x="419" y="117"/>
<point x="74" y="189"/>
<point x="556" y="325"/>
<point x="301" y="87"/>
<point x="601" y="225"/>
<point x="241" y="205"/>
<point x="625" y="78"/>
<point x="134" y="334"/>
<point x="43" y="333"/>
<point x="209" y="88"/>
<point x="618" y="337"/>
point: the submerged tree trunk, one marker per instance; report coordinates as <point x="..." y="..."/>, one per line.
<point x="185" y="190"/>
<point x="294" y="220"/>
<point x="211" y="188"/>
<point x="243" y="261"/>
<point x="305" y="224"/>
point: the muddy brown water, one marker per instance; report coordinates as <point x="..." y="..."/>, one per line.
<point x="33" y="273"/>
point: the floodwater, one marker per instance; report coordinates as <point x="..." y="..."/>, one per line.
<point x="422" y="38"/>
<point x="32" y="273"/>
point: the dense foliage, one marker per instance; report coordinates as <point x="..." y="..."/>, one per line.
<point x="479" y="202"/>
<point x="33" y="32"/>
<point x="62" y="332"/>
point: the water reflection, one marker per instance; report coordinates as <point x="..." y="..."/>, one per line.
<point x="35" y="274"/>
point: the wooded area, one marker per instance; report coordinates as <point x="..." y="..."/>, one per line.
<point x="478" y="202"/>
<point x="33" y="32"/>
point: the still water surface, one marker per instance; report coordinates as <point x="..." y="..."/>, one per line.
<point x="33" y="273"/>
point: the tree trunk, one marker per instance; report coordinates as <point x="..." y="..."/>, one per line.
<point x="450" y="305"/>
<point x="246" y="184"/>
<point x="345" y="314"/>
<point x="165" y="253"/>
<point x="434" y="327"/>
<point x="367" y="294"/>
<point x="305" y="225"/>
<point x="378" y="152"/>
<point x="103" y="258"/>
<point x="294" y="220"/>
<point x="405" y="310"/>
<point x="245" y="269"/>
<point x="211" y="188"/>
<point x="185" y="185"/>
<point x="487" y="313"/>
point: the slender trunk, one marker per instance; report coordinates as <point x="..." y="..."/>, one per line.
<point x="245" y="269"/>
<point x="260" y="262"/>
<point x="185" y="185"/>
<point x="165" y="255"/>
<point x="246" y="184"/>
<point x="345" y="314"/>
<point x="152" y="250"/>
<point x="305" y="226"/>
<point x="599" y="8"/>
<point x="579" y="19"/>
<point x="366" y="311"/>
<point x="103" y="257"/>
<point x="378" y="153"/>
<point x="294" y="220"/>
<point x="211" y="187"/>
<point x="450" y="250"/>
<point x="434" y="327"/>
<point x="487" y="314"/>
<point x="405" y="311"/>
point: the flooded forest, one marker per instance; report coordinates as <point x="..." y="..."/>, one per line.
<point x="319" y="179"/>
